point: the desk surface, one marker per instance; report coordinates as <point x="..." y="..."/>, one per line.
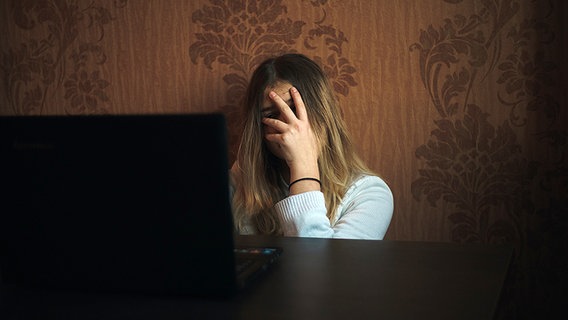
<point x="317" y="279"/>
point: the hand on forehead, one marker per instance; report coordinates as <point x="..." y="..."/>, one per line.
<point x="282" y="89"/>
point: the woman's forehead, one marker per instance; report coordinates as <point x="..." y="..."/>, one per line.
<point x="281" y="88"/>
<point x="280" y="85"/>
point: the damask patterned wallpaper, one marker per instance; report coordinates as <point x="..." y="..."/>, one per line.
<point x="459" y="105"/>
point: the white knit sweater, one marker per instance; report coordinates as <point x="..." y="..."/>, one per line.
<point x="364" y="213"/>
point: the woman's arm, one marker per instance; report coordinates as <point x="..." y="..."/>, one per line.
<point x="365" y="212"/>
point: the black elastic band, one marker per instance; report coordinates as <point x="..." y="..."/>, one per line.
<point x="304" y="179"/>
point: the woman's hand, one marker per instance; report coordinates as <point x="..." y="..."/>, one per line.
<point x="291" y="138"/>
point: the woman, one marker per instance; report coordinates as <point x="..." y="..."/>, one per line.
<point x="297" y="173"/>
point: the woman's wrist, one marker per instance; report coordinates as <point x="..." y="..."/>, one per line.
<point x="304" y="186"/>
<point x="301" y="184"/>
<point x="298" y="172"/>
<point x="303" y="179"/>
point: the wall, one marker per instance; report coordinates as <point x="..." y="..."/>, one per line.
<point x="459" y="105"/>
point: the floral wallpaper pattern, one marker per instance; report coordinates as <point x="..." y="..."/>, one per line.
<point x="36" y="68"/>
<point x="242" y="34"/>
<point x="478" y="166"/>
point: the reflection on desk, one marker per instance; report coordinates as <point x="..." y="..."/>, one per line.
<point x="315" y="279"/>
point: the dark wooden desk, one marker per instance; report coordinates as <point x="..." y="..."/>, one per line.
<point x="317" y="279"/>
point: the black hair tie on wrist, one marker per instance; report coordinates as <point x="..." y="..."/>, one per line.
<point x="303" y="179"/>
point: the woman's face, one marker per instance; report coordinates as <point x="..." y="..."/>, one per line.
<point x="269" y="110"/>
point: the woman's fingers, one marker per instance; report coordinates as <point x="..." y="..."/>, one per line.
<point x="301" y="112"/>
<point x="275" y="124"/>
<point x="283" y="107"/>
<point x="290" y="130"/>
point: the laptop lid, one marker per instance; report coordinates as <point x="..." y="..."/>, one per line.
<point x="117" y="203"/>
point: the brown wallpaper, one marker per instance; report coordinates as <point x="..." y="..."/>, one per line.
<point x="459" y="105"/>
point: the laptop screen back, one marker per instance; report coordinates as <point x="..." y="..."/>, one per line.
<point x="116" y="203"/>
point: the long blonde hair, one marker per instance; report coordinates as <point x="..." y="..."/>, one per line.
<point x="258" y="185"/>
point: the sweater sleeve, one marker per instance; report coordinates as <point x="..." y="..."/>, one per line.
<point x="364" y="213"/>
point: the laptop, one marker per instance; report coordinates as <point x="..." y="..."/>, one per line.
<point x="129" y="203"/>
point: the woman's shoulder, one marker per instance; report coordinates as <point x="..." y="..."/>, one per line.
<point x="368" y="184"/>
<point x="367" y="180"/>
<point x="368" y="191"/>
